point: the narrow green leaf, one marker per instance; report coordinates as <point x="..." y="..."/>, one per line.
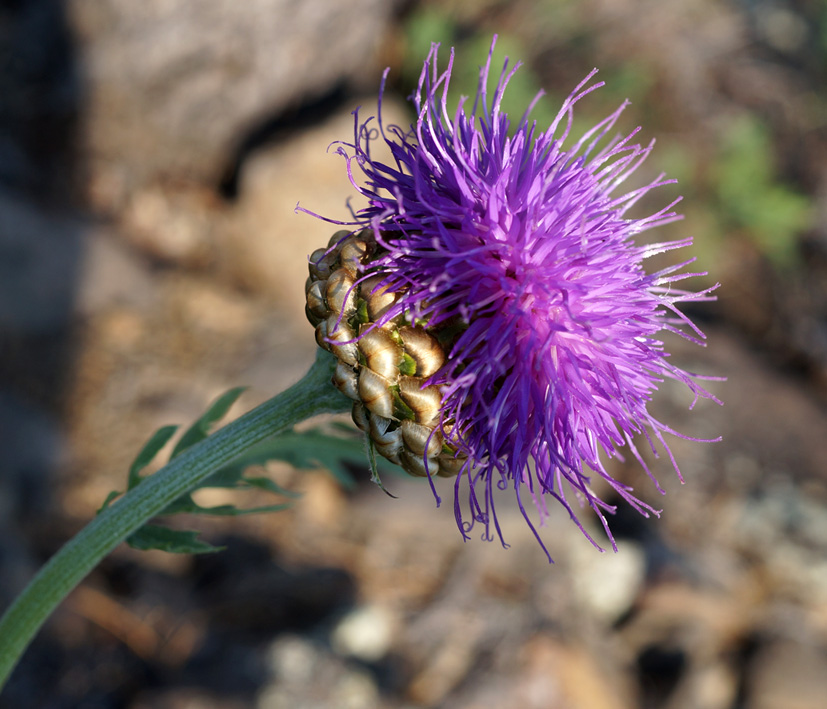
<point x="232" y="511"/>
<point x="201" y="428"/>
<point x="157" y="441"/>
<point x="228" y="477"/>
<point x="269" y="486"/>
<point x="182" y="505"/>
<point x="108" y="501"/>
<point x="308" y="450"/>
<point x="175" y="541"/>
<point x="186" y="505"/>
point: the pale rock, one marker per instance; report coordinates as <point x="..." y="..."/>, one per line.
<point x="788" y="675"/>
<point x="110" y="276"/>
<point x="309" y="676"/>
<point x="173" y="226"/>
<point x="570" y="676"/>
<point x="292" y="658"/>
<point x="270" y="241"/>
<point x="606" y="585"/>
<point x="173" y="86"/>
<point x="356" y="690"/>
<point x="365" y="633"/>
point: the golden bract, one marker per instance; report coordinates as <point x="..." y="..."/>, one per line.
<point x="383" y="369"/>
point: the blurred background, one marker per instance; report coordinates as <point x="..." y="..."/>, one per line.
<point x="151" y="157"/>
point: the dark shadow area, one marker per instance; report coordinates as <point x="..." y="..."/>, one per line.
<point x="211" y="629"/>
<point x="282" y="126"/>
<point x="41" y="243"/>
<point x="659" y="671"/>
<point x="41" y="240"/>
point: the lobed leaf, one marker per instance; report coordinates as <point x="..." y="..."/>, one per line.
<point x="201" y="428"/>
<point x="305" y="451"/>
<point x="176" y="541"/>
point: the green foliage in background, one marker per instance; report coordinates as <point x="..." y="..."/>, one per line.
<point x="429" y="25"/>
<point x="821" y="36"/>
<point x="752" y="198"/>
<point x="446" y="24"/>
<point x="740" y="192"/>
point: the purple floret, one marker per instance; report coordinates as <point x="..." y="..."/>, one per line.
<point x="522" y="247"/>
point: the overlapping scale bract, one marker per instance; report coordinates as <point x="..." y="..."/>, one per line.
<point x="383" y="367"/>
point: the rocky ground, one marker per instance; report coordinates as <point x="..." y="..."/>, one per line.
<point x="151" y="158"/>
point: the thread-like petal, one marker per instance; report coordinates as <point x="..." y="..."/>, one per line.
<point x="516" y="253"/>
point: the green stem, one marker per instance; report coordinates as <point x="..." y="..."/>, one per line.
<point x="313" y="395"/>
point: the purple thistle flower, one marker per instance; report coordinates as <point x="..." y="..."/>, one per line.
<point x="521" y="248"/>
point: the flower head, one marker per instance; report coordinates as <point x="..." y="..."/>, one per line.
<point x="510" y="246"/>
